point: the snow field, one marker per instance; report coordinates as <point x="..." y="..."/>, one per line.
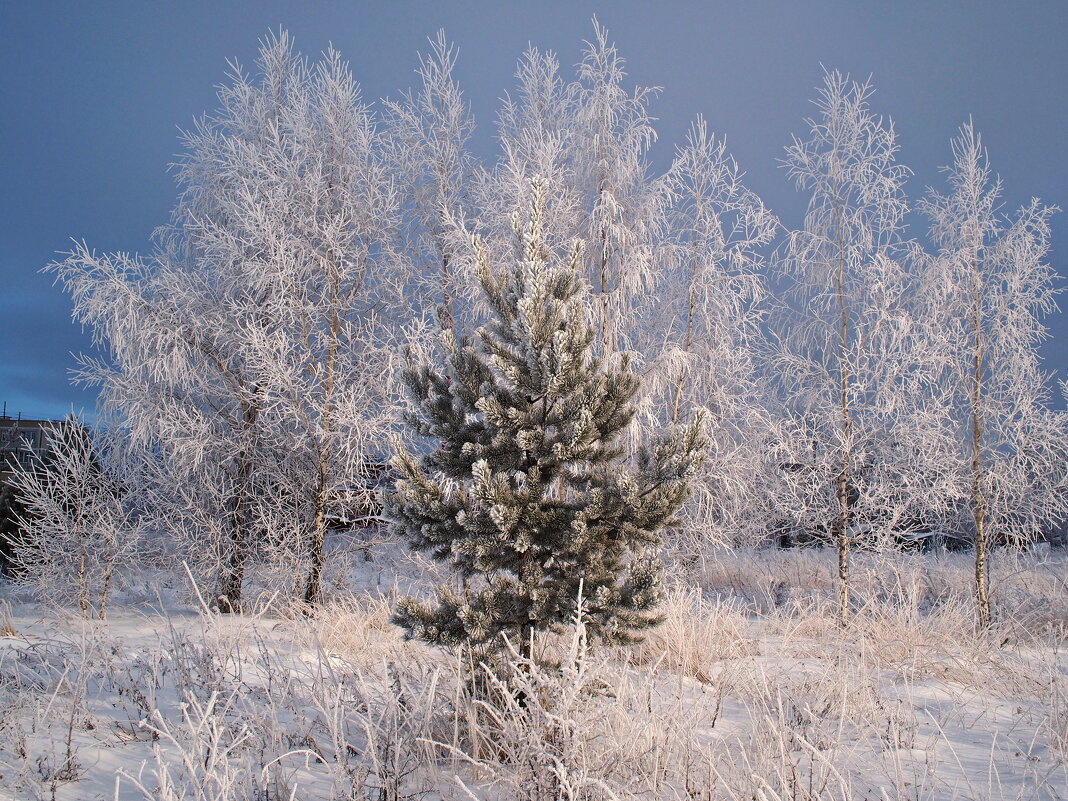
<point x="748" y="690"/>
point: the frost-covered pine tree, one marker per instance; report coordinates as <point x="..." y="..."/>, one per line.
<point x="525" y="492"/>
<point x="986" y="292"/>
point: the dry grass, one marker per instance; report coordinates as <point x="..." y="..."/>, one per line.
<point x="696" y="635"/>
<point x="748" y="690"/>
<point x="7" y="625"/>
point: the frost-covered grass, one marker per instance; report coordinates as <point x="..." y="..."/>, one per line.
<point x="748" y="690"/>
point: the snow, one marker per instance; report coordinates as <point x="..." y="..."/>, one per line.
<point x="731" y="697"/>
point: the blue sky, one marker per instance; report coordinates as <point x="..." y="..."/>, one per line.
<point x="93" y="95"/>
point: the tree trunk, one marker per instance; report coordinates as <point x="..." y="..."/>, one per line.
<point x="982" y="597"/>
<point x="108" y="570"/>
<point x="1058" y="536"/>
<point x="526" y="647"/>
<point x="313" y="588"/>
<point x="233" y="576"/>
<point x="448" y="319"/>
<point x="604" y="295"/>
<point x="233" y="571"/>
<point x="979" y="507"/>
<point x="841" y="540"/>
<point x="691" y="310"/>
<point x="844" y="502"/>
<point x="83" y="592"/>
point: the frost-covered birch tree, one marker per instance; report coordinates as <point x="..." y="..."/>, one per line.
<point x="251" y="348"/>
<point x="847" y="342"/>
<point x="427" y="132"/>
<point x="176" y="377"/>
<point x="589" y="137"/>
<point x="624" y="207"/>
<point x="986" y="292"/>
<point x="80" y="518"/>
<point x="312" y="217"/>
<point x="538" y="138"/>
<point x="710" y="315"/>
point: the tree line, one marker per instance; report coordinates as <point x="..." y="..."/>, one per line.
<point x="337" y="276"/>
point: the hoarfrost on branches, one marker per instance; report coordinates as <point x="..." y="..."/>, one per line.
<point x="848" y="346"/>
<point x="986" y="292"/>
<point x="252" y="348"/>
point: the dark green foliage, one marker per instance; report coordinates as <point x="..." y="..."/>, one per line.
<point x="526" y="493"/>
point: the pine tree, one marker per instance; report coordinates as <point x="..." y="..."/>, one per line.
<point x="526" y="494"/>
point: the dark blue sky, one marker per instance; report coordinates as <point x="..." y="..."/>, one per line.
<point x="93" y="93"/>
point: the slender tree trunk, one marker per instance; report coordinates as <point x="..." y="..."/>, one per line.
<point x="234" y="552"/>
<point x="979" y="509"/>
<point x="526" y="631"/>
<point x="109" y="567"/>
<point x="841" y="538"/>
<point x="83" y="558"/>
<point x="83" y="596"/>
<point x="233" y="571"/>
<point x="448" y="319"/>
<point x="843" y="578"/>
<point x="604" y="280"/>
<point x="313" y="588"/>
<point x="982" y="597"/>
<point x="526" y="647"/>
<point x="842" y="521"/>
<point x="448" y="316"/>
<point x="691" y="308"/>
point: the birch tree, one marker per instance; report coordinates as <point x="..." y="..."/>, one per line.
<point x="80" y="522"/>
<point x="987" y="291"/>
<point x="589" y="138"/>
<point x="427" y="132"/>
<point x="317" y="206"/>
<point x="251" y="346"/>
<point x="539" y="139"/>
<point x="847" y="339"/>
<point x="711" y="308"/>
<point x="176" y="377"/>
<point x="624" y="209"/>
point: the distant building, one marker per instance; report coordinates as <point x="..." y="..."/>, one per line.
<point x="1058" y="535"/>
<point x="21" y="441"/>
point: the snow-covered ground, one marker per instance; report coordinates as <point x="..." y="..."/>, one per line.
<point x="749" y="690"/>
